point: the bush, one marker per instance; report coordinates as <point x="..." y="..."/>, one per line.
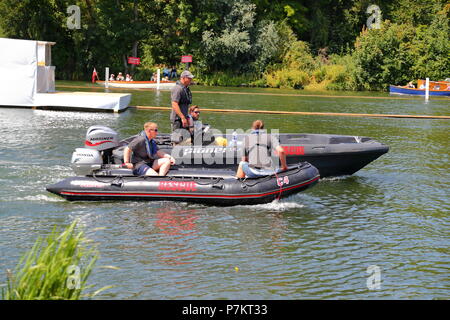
<point x="287" y="78"/>
<point x="299" y="57"/>
<point x="340" y="74"/>
<point x="226" y="79"/>
<point x="295" y="69"/>
<point x="319" y="74"/>
<point x="259" y="83"/>
<point x="143" y="74"/>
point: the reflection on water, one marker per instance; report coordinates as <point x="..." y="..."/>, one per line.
<point x="176" y="223"/>
<point x="317" y="244"/>
<point x="177" y="228"/>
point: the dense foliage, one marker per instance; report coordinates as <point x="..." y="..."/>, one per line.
<point x="282" y="43"/>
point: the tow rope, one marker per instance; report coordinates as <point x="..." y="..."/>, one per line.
<point x="281" y="186"/>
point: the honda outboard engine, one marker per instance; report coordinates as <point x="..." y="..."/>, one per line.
<point x="99" y="144"/>
<point x="86" y="161"/>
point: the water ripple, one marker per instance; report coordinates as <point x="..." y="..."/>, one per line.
<point x="313" y="245"/>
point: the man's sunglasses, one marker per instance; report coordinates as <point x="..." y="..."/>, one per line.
<point x="197" y="112"/>
<point x="156" y="130"/>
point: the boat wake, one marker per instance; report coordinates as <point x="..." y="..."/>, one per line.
<point x="39" y="198"/>
<point x="275" y="205"/>
<point x="338" y="178"/>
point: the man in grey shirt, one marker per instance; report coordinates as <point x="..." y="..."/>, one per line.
<point x="143" y="155"/>
<point x="181" y="97"/>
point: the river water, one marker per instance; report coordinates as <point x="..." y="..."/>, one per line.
<point x="388" y="222"/>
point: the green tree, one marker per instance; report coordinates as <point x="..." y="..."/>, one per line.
<point x="178" y="28"/>
<point x="269" y="45"/>
<point x="124" y="24"/>
<point x="222" y="49"/>
<point x="238" y="43"/>
<point x="110" y="31"/>
<point x="293" y="12"/>
<point x="41" y="20"/>
<point x="238" y="37"/>
<point x="415" y="12"/>
<point x="383" y="56"/>
<point x="398" y="53"/>
<point x="431" y="49"/>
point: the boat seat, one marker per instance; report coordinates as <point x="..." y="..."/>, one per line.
<point x="202" y="173"/>
<point x="176" y="172"/>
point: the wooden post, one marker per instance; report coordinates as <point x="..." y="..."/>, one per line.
<point x="158" y="76"/>
<point x="427" y="89"/>
<point x="106" y="77"/>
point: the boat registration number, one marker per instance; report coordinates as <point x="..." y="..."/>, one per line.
<point x="177" y="186"/>
<point x="294" y="150"/>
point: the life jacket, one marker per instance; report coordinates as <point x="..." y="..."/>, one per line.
<point x="150" y="146"/>
<point x="258" y="149"/>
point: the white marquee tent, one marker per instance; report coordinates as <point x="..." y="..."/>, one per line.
<point x="27" y="79"/>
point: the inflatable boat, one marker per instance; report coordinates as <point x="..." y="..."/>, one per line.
<point x="332" y="155"/>
<point x="206" y="186"/>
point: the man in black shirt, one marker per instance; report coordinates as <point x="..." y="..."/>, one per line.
<point x="181" y="97"/>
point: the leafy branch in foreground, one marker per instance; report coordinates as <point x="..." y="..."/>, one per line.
<point x="56" y="268"/>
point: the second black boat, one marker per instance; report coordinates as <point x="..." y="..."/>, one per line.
<point x="332" y="155"/>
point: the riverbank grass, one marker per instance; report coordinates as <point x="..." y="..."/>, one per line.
<point x="56" y="268"/>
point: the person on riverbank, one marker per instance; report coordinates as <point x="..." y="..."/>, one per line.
<point x="258" y="147"/>
<point x="120" y="77"/>
<point x="166" y="72"/>
<point x="143" y="156"/>
<point x="181" y="97"/>
<point x="173" y="73"/>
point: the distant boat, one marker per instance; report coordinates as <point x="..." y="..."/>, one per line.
<point x="139" y="84"/>
<point x="437" y="88"/>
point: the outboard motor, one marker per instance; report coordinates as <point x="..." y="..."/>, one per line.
<point x="102" y="139"/>
<point x="86" y="161"/>
<point x="99" y="144"/>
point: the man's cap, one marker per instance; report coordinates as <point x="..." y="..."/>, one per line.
<point x="187" y="74"/>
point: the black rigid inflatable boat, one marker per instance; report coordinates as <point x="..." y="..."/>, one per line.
<point x="206" y="186"/>
<point x="332" y="155"/>
<point x="206" y="173"/>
